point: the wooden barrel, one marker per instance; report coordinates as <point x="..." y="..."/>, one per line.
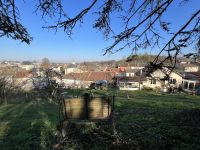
<point x="90" y="108"/>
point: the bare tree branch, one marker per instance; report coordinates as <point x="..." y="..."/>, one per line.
<point x="9" y="22"/>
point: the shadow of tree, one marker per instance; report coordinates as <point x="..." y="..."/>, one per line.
<point x="28" y="126"/>
<point x="159" y="128"/>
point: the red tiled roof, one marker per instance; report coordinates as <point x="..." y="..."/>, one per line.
<point x="22" y="74"/>
<point x="90" y="76"/>
<point x="121" y="69"/>
<point x="94" y="76"/>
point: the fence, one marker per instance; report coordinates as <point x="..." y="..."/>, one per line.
<point x="88" y="108"/>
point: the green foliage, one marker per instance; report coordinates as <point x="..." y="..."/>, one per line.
<point x="26" y="63"/>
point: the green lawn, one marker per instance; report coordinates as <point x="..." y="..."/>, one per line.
<point x="158" y="121"/>
<point x="27" y="125"/>
<point x="146" y="120"/>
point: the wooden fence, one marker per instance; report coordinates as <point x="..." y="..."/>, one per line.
<point x="84" y="108"/>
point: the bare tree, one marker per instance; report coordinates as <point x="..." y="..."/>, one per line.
<point x="10" y="25"/>
<point x="7" y="85"/>
<point x="45" y="63"/>
<point x="141" y="20"/>
<point x="49" y="84"/>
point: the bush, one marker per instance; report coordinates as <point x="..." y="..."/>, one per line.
<point x="147" y="89"/>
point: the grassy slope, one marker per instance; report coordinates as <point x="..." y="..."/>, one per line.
<point x="145" y="121"/>
<point x="27" y="125"/>
<point x="157" y="121"/>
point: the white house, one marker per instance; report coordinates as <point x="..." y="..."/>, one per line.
<point x="130" y="83"/>
<point x="191" y="67"/>
<point x="129" y="72"/>
<point x="191" y="81"/>
<point x="27" y="67"/>
<point x="73" y="70"/>
<point x="155" y="81"/>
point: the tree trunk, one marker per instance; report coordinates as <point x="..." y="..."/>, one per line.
<point x="127" y="95"/>
<point x="5" y="100"/>
<point x="50" y="99"/>
<point x="4" y="97"/>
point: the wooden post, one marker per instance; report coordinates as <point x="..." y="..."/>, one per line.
<point x="86" y="99"/>
<point x="113" y="120"/>
<point x="102" y="106"/>
<point x="64" y="105"/>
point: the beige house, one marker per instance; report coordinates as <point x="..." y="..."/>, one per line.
<point x="152" y="83"/>
<point x="191" y="67"/>
<point x="27" y="67"/>
<point x="73" y="70"/>
<point x="155" y="81"/>
<point x="175" y="79"/>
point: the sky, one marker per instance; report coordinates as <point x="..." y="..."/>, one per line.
<point x="86" y="43"/>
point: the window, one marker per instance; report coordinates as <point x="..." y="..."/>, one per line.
<point x="191" y="86"/>
<point x="185" y="85"/>
<point x="128" y="85"/>
<point x="121" y="84"/>
<point x="172" y="81"/>
<point x="153" y="81"/>
<point x="135" y="85"/>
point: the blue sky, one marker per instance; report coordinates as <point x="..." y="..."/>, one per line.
<point x="86" y="43"/>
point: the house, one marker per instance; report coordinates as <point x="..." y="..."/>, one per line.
<point x="140" y="81"/>
<point x="128" y="71"/>
<point x="22" y="80"/>
<point x="27" y="67"/>
<point x="86" y="78"/>
<point x="130" y="83"/>
<point x="175" y="79"/>
<point x="72" y="68"/>
<point x="137" y="67"/>
<point x="191" y="81"/>
<point x="157" y="80"/>
<point x="58" y="69"/>
<point x="191" y="67"/>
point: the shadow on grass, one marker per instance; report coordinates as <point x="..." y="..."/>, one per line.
<point x="28" y="126"/>
<point x="94" y="136"/>
<point x="161" y="128"/>
<point x="143" y="122"/>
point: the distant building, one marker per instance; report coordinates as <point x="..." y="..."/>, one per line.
<point x="129" y="71"/>
<point x="73" y="70"/>
<point x="191" y="67"/>
<point x="27" y="67"/>
<point x="22" y="80"/>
